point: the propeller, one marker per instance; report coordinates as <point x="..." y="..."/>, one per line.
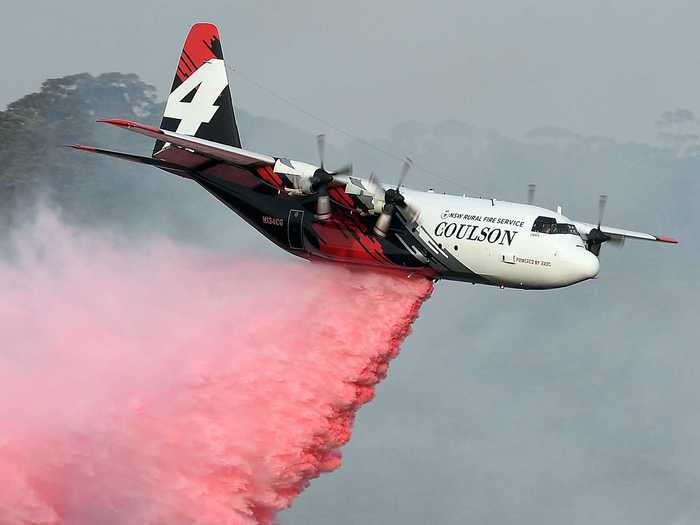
<point x="596" y="237"/>
<point x="322" y="180"/>
<point x="531" y="193"/>
<point x="393" y="199"/>
<point x="601" y="209"/>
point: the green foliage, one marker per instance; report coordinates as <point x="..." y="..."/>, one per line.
<point x="34" y="129"/>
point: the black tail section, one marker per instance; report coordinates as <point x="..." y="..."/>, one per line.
<point x="200" y="103"/>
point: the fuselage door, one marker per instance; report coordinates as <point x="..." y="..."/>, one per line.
<point x="295" y="229"/>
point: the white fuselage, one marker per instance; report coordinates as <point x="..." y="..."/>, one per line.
<point x="494" y="239"/>
<point x="478" y="240"/>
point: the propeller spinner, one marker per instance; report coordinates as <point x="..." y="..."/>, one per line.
<point x="393" y="199"/>
<point x="596" y="237"/>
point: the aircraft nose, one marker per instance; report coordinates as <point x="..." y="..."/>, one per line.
<point x="589" y="265"/>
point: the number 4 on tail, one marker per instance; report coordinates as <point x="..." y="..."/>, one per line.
<point x="209" y="80"/>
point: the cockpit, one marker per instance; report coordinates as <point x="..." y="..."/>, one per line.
<point x="550" y="225"/>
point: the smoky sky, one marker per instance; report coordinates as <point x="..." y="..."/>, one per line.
<point x="602" y="67"/>
<point x="505" y="407"/>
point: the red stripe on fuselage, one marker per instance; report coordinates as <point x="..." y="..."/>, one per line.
<point x="268" y="175"/>
<point x="339" y="196"/>
<point x="345" y="238"/>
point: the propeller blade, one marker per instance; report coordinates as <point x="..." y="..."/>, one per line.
<point x="345" y="170"/>
<point x="376" y="187"/>
<point x="617" y="242"/>
<point x="321" y="143"/>
<point x="407" y="163"/>
<point x="601" y="209"/>
<point x="531" y="193"/>
<point x="412" y="215"/>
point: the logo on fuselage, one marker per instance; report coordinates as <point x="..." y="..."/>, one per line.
<point x="447" y="214"/>
<point x="474" y="232"/>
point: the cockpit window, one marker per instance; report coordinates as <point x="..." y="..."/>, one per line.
<point x="550" y="225"/>
<point x="565" y="228"/>
<point x="544" y="224"/>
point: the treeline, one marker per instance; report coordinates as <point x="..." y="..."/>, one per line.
<point x="34" y="129"/>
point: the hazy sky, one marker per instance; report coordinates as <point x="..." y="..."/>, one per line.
<point x="598" y="67"/>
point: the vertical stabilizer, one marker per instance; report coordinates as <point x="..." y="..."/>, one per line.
<point x="200" y="102"/>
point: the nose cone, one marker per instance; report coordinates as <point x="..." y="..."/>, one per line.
<point x="589" y="265"/>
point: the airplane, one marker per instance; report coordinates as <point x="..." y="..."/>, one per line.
<point x="332" y="215"/>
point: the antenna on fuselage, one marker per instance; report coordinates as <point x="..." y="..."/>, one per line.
<point x="531" y="193"/>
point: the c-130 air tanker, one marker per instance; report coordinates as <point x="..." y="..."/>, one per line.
<point x="332" y="215"/>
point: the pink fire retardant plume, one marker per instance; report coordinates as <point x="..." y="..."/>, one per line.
<point x="161" y="385"/>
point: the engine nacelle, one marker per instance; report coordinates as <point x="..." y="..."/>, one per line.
<point x="299" y="173"/>
<point x="366" y="192"/>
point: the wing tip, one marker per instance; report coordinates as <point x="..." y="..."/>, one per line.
<point x="114" y="121"/>
<point x="668" y="240"/>
<point x="123" y="123"/>
<point x="80" y="147"/>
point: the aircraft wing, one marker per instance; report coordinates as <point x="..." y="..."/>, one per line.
<point x="202" y="147"/>
<point x="620" y="234"/>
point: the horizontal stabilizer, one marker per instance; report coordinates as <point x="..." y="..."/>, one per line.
<point x="206" y="148"/>
<point x="169" y="166"/>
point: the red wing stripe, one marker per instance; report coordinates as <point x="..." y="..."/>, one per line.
<point x="275" y="177"/>
<point x="123" y="123"/>
<point x="666" y="239"/>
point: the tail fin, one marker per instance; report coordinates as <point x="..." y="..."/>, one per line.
<point x="200" y="103"/>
